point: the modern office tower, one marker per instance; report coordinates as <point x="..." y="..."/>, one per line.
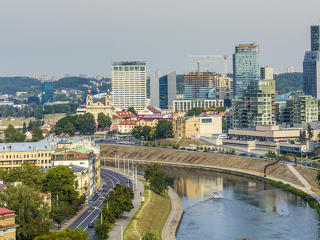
<point x="199" y="85"/>
<point x="246" y="67"/>
<point x="163" y="90"/>
<point x="129" y="85"/>
<point x="256" y="107"/>
<point x="315" y="38"/>
<point x="223" y="87"/>
<point x="311" y="66"/>
<point x="46" y="91"/>
<point x="266" y="73"/>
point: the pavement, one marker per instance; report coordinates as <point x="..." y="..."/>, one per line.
<point x="172" y="224"/>
<point x="92" y="212"/>
<point x="115" y="233"/>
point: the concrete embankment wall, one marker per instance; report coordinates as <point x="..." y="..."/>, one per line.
<point x="254" y="165"/>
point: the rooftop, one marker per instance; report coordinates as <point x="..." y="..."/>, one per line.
<point x="125" y="63"/>
<point x="79" y="149"/>
<point x="43" y="145"/>
<point x="6" y="211"/>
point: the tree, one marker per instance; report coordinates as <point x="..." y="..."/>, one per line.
<point x="310" y="132"/>
<point x="67" y="234"/>
<point x="104" y="121"/>
<point x="318" y="136"/>
<point x="152" y="134"/>
<point x="102" y="231"/>
<point x="164" y="129"/>
<point x="136" y="132"/>
<point x="68" y="129"/>
<point x="58" y="130"/>
<point x="38" y="113"/>
<point x="32" y="214"/>
<point x="24" y="128"/>
<point x="13" y="135"/>
<point x="149" y="236"/>
<point x="36" y="134"/>
<point x="302" y="136"/>
<point x="86" y="124"/>
<point x="195" y="111"/>
<point x="61" y="181"/>
<point x="157" y="178"/>
<point x="131" y="109"/>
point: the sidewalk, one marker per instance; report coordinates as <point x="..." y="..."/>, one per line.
<point x="115" y="233"/>
<point x="171" y="226"/>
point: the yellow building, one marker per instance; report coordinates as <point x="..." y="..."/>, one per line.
<point x="7" y="224"/>
<point x="15" y="154"/>
<point x="147" y="122"/>
<point x="105" y="106"/>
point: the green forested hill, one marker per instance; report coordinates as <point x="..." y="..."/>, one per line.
<point x="287" y="82"/>
<point x="12" y="85"/>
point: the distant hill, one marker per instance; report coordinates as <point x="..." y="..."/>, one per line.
<point x="11" y="85"/>
<point x="72" y="82"/>
<point x="287" y="82"/>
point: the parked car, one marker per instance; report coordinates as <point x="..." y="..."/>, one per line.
<point x="91" y="225"/>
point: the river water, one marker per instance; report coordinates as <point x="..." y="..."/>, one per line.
<point x="249" y="208"/>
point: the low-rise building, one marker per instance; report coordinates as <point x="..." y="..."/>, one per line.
<point x="126" y="126"/>
<point x="197" y="126"/>
<point x="7" y="224"/>
<point x="82" y="157"/>
<point x="184" y="105"/>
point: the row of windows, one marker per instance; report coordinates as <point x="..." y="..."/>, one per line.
<point x="19" y="162"/>
<point x="9" y="156"/>
<point x="131" y="68"/>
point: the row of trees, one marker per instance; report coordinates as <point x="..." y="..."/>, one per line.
<point x="84" y="124"/>
<point x="119" y="201"/>
<point x="32" y="214"/>
<point x="198" y="110"/>
<point x="14" y="135"/>
<point x="159" y="182"/>
<point x="162" y="130"/>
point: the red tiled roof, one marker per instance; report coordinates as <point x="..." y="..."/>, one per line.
<point x="6" y="211"/>
<point x="45" y="194"/>
<point x="52" y="124"/>
<point x="128" y="122"/>
<point x="123" y="114"/>
<point x="154" y="110"/>
<point x="46" y="131"/>
<point x="10" y="226"/>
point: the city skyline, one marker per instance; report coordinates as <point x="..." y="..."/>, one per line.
<point x="57" y="37"/>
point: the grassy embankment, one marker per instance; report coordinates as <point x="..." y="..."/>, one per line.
<point x="151" y="216"/>
<point x="19" y="121"/>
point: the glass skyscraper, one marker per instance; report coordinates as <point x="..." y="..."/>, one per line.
<point x="315" y="38"/>
<point x="46" y="92"/>
<point x="246" y="67"/>
<point x="311" y="66"/>
<point x="199" y="85"/>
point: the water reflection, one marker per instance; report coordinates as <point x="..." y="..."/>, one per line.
<point x="248" y="209"/>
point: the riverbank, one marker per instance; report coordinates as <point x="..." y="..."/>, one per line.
<point x="151" y="217"/>
<point x="172" y="224"/>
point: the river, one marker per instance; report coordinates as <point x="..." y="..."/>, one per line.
<point x="249" y="208"/>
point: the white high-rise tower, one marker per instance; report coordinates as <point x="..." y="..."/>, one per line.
<point x="129" y="82"/>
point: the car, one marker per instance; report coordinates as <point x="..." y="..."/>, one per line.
<point x="104" y="186"/>
<point x="182" y="148"/>
<point x="90" y="201"/>
<point x="91" y="225"/>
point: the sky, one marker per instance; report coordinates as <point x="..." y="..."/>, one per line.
<point x="57" y="37"/>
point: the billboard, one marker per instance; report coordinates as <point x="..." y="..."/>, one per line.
<point x="155" y="116"/>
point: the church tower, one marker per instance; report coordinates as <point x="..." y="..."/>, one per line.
<point x="89" y="100"/>
<point x="108" y="99"/>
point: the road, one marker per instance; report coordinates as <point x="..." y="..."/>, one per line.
<point x="92" y="214"/>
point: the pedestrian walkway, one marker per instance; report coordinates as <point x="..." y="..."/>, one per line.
<point x="115" y="233"/>
<point x="300" y="178"/>
<point x="171" y="226"/>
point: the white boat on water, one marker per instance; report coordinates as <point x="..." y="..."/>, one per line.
<point x="216" y="195"/>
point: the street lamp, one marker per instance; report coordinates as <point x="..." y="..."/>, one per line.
<point x="121" y="230"/>
<point x="137" y="233"/>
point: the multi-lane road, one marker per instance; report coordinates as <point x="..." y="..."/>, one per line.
<point x="92" y="213"/>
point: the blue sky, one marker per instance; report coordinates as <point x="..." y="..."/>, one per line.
<point x="84" y="36"/>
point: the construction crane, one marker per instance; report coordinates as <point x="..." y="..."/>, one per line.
<point x="223" y="58"/>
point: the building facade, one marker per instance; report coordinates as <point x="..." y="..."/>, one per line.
<point x="95" y="108"/>
<point x="266" y="73"/>
<point x="184" y="105"/>
<point x="256" y="107"/>
<point x="46" y="92"/>
<point x="311" y="66"/>
<point x="7" y="224"/>
<point x="167" y="90"/>
<point x="129" y="85"/>
<point x="199" y="85"/>
<point x="246" y="67"/>
<point x="223" y="87"/>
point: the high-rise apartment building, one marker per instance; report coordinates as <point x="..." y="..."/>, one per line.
<point x="315" y="38"/>
<point x="129" y="84"/>
<point x="46" y="91"/>
<point x="246" y="67"/>
<point x="163" y="90"/>
<point x="223" y="87"/>
<point x="199" y="85"/>
<point x="256" y="107"/>
<point x="311" y="66"/>
<point x="266" y="73"/>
